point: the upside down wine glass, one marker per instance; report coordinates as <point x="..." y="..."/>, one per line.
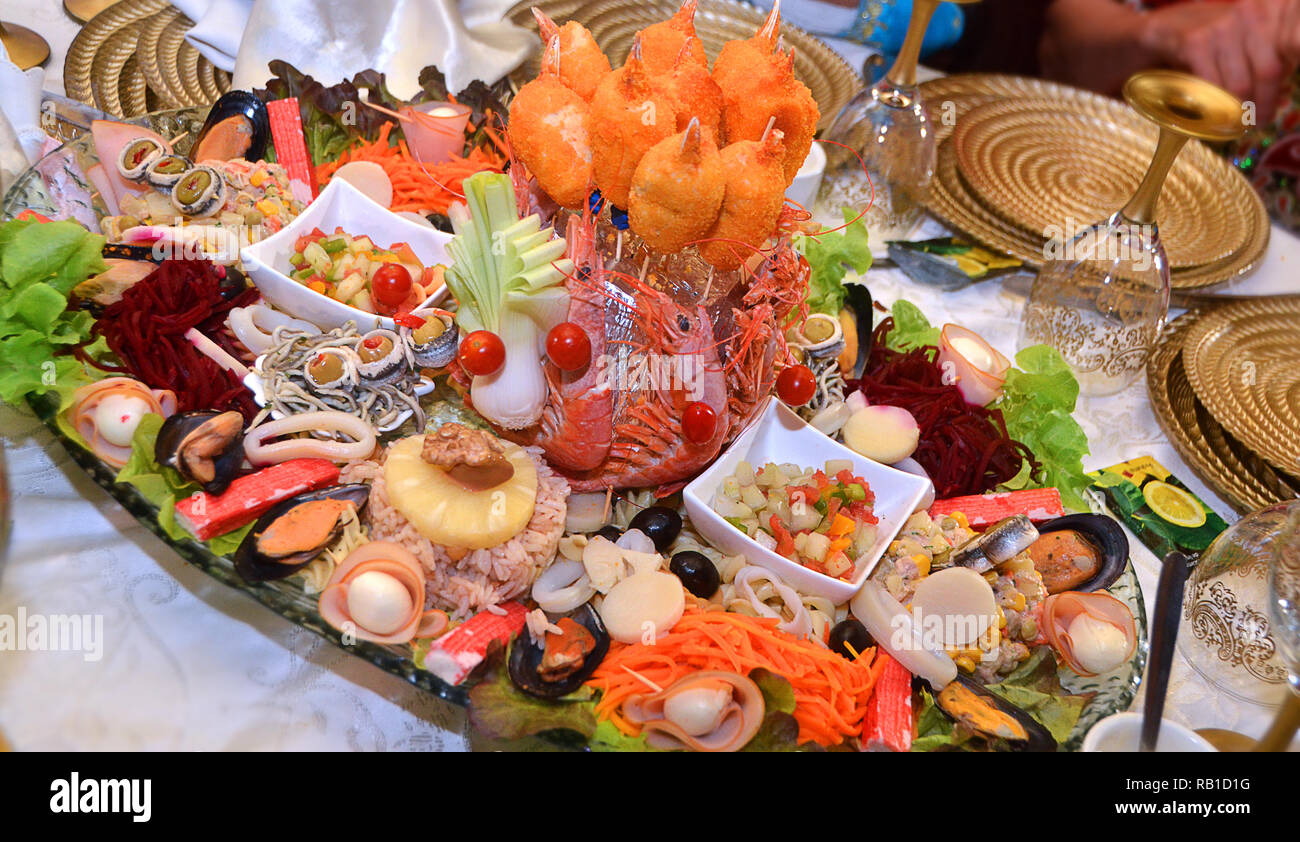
<point x="887" y="126"/>
<point x="1102" y="298"/>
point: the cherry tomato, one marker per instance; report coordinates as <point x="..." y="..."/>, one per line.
<point x="568" y="347"/>
<point x="390" y="287"/>
<point x="796" y="385"/>
<point x="482" y="352"/>
<point x="699" y="422"/>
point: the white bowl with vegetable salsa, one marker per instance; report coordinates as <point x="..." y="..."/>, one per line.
<point x="802" y="505"/>
<point x="328" y="265"/>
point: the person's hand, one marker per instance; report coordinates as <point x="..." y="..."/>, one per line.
<point x="1249" y="47"/>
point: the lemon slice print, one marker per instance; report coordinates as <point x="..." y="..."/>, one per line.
<point x="1173" y="504"/>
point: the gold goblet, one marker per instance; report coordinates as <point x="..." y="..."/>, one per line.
<point x="25" y="48"/>
<point x="1102" y="298"/>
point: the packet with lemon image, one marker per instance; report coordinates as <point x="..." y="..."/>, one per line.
<point x="1160" y="510"/>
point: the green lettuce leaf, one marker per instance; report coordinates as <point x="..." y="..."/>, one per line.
<point x="830" y="256"/>
<point x="40" y="263"/>
<point x="501" y="711"/>
<point x="1037" y="403"/>
<point x="163" y="486"/>
<point x="911" y="328"/>
<point x="1035" y="687"/>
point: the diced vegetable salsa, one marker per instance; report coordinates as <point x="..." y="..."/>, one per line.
<point x="351" y="269"/>
<point x="821" y="519"/>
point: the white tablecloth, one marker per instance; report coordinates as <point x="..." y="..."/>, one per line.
<point x="191" y="664"/>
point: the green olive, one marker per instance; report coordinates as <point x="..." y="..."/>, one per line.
<point x="375" y="348"/>
<point x="191" y="187"/>
<point x="326" y="368"/>
<point x="429" y="331"/>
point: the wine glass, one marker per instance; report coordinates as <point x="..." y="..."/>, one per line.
<point x="1284" y="609"/>
<point x="886" y="125"/>
<point x="1102" y="298"/>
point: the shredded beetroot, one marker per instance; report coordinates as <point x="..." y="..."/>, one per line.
<point x="146" y="330"/>
<point x="964" y="448"/>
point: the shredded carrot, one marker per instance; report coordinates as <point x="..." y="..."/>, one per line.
<point x="419" y="187"/>
<point x="831" y="692"/>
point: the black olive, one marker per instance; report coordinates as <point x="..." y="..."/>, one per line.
<point x="232" y="284"/>
<point x="441" y="222"/>
<point x="660" y="523"/>
<point x="697" y="573"/>
<point x="610" y="532"/>
<point x="850" y="633"/>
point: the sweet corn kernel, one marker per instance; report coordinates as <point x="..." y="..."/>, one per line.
<point x="964" y="664"/>
<point x="960" y="517"/>
<point x="922" y="563"/>
<point x="1017" y="602"/>
<point x="257" y="178"/>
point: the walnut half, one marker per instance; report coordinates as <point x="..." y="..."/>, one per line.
<point x="474" y="458"/>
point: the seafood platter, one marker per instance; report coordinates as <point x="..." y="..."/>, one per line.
<point x="585" y="426"/>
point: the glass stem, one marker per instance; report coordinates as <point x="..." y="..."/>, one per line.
<point x="903" y="73"/>
<point x="1142" y="207"/>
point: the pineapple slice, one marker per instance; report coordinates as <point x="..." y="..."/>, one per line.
<point x="447" y="513"/>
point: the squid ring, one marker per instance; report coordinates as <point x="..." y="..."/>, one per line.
<point x="260" y="451"/>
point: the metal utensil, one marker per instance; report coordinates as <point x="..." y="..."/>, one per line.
<point x="1164" y="631"/>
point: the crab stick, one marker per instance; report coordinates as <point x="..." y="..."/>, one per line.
<point x="206" y="516"/>
<point x="982" y="510"/>
<point x="454" y="655"/>
<point x="888" y="723"/>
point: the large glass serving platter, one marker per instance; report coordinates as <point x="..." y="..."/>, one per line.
<point x="57" y="187"/>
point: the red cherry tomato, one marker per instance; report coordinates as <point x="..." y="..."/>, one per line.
<point x="390" y="287"/>
<point x="796" y="385"/>
<point x="482" y="353"/>
<point x="568" y="347"/>
<point x="699" y="422"/>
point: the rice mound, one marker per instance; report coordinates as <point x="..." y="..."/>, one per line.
<point x="482" y="578"/>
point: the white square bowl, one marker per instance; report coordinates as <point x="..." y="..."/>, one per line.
<point x="339" y="204"/>
<point x="780" y="436"/>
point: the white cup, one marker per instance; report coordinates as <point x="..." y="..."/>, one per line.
<point x="1123" y="732"/>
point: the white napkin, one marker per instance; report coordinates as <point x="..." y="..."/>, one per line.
<point x="21" y="136"/>
<point x="218" y="28"/>
<point x="335" y="39"/>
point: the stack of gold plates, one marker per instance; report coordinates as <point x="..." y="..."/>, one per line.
<point x="1225" y="386"/>
<point x="1021" y="161"/>
<point x="132" y="58"/>
<point x="614" y="24"/>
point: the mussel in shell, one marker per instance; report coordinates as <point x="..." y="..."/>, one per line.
<point x="1081" y="552"/>
<point x="238" y="126"/>
<point x="205" y="447"/>
<point x="856" y="323"/>
<point x="972" y="706"/>
<point x="293" y="533"/>
<point x="199" y="192"/>
<point x="565" y="662"/>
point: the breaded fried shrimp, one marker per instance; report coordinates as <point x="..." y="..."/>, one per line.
<point x="677" y="190"/>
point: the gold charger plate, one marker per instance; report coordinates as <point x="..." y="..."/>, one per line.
<point x="1240" y="478"/>
<point x="1043" y="166"/>
<point x="949" y="98"/>
<point x="614" y="23"/>
<point x="1243" y="361"/>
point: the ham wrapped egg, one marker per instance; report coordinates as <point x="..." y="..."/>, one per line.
<point x="377" y="594"/>
<point x="706" y="711"/>
<point x="1092" y="632"/>
<point x="107" y="413"/>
